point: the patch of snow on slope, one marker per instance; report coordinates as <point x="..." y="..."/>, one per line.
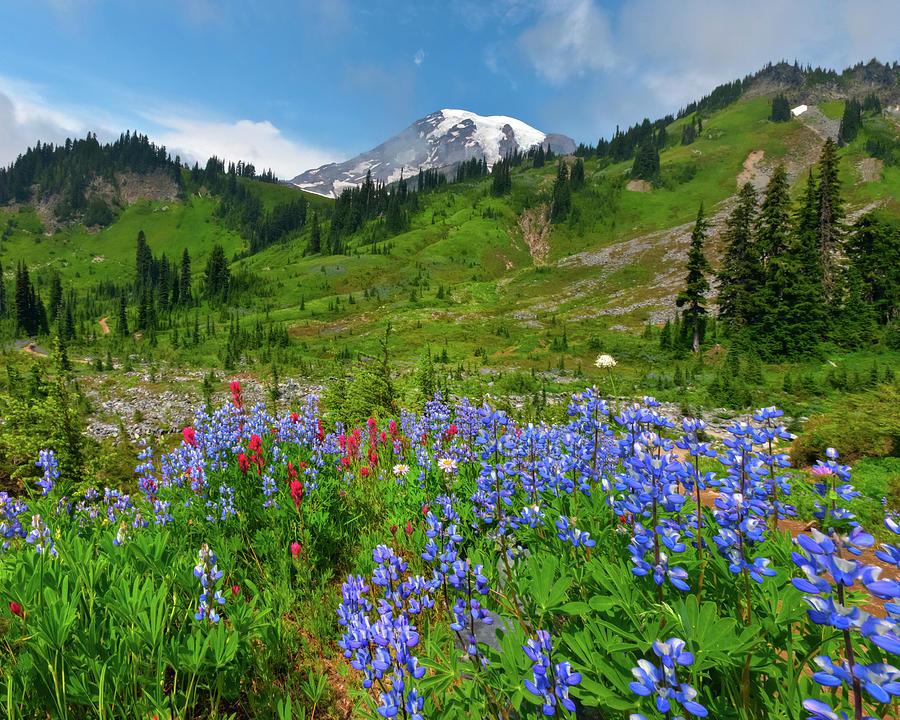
<point x="489" y="131"/>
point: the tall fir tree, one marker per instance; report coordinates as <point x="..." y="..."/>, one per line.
<point x="696" y="284"/>
<point x="143" y="261"/>
<point x="27" y="314"/>
<point x="874" y="253"/>
<point x="646" y="163"/>
<point x="184" y="286"/>
<point x="576" y="179"/>
<point x="741" y="273"/>
<point x="561" y="199"/>
<point x="830" y="216"/>
<point x="122" y="327"/>
<point x="781" y="110"/>
<point x="794" y="318"/>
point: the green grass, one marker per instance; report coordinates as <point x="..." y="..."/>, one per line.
<point x="483" y="263"/>
<point x="833" y="109"/>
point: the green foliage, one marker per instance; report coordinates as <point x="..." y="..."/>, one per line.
<point x="860" y="425"/>
<point x="781" y="110"/>
<point x="646" y="163"/>
<point x="696" y="284"/>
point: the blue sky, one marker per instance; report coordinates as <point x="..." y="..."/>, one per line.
<point x="293" y="84"/>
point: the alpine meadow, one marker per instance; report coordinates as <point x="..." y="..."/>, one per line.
<point x="484" y="422"/>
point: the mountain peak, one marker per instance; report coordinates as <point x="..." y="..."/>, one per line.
<point x="442" y="139"/>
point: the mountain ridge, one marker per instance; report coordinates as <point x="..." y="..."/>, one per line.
<point x="441" y="139"/>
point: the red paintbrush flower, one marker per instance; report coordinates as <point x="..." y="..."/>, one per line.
<point x="297" y="493"/>
<point x="16" y="609"/>
<point x="189" y="436"/>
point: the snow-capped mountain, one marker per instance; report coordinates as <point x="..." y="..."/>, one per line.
<point x="441" y="139"/>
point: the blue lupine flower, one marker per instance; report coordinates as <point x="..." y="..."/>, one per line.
<point x="209" y="575"/>
<point x="550" y="681"/>
<point x="40" y="537"/>
<point x="662" y="681"/>
<point x="47" y="462"/>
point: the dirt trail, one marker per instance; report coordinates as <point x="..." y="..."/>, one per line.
<point x="535" y="230"/>
<point x="750" y="173"/>
<point x="639" y="186"/>
<point x="104" y="325"/>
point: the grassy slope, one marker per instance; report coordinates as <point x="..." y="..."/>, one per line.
<point x="485" y="260"/>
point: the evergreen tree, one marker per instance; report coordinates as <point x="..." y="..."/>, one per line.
<point x="561" y="200"/>
<point x="576" y="179"/>
<point x="122" y="325"/>
<point x="27" y="315"/>
<point x="874" y="253"/>
<point x="741" y="274"/>
<point x="143" y="261"/>
<point x="794" y="320"/>
<point x="539" y="157"/>
<point x="781" y="110"/>
<point x="425" y="376"/>
<point x="56" y="297"/>
<point x="184" y="283"/>
<point x="646" y="163"/>
<point x="851" y="122"/>
<point x="315" y="242"/>
<point x="217" y="274"/>
<point x="696" y="283"/>
<point x="773" y="221"/>
<point x="688" y="134"/>
<point x="830" y="215"/>
<point x="501" y="178"/>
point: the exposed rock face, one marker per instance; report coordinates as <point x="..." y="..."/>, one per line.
<point x="440" y="140"/>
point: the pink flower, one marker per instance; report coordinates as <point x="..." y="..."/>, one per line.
<point x="297" y="493"/>
<point x="235" y="589"/>
<point x="243" y="463"/>
<point x="236" y="394"/>
<point x="409" y="528"/>
<point x="16" y="609"/>
<point x="189" y="436"/>
<point x="295" y="549"/>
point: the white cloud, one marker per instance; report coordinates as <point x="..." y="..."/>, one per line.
<point x="650" y="57"/>
<point x="419" y="57"/>
<point x="570" y="38"/>
<point x="261" y="143"/>
<point x="26" y="117"/>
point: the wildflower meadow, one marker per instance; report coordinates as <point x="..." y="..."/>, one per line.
<point x="449" y="564"/>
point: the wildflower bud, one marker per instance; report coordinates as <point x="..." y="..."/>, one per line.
<point x="235" y="590"/>
<point x="394" y="531"/>
<point x="16" y="609"/>
<point x="409" y="528"/>
<point x="295" y="549"/>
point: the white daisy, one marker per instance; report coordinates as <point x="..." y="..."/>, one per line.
<point x="447" y="464"/>
<point x="400" y="469"/>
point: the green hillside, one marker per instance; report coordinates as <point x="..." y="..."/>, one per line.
<point x="477" y="278"/>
